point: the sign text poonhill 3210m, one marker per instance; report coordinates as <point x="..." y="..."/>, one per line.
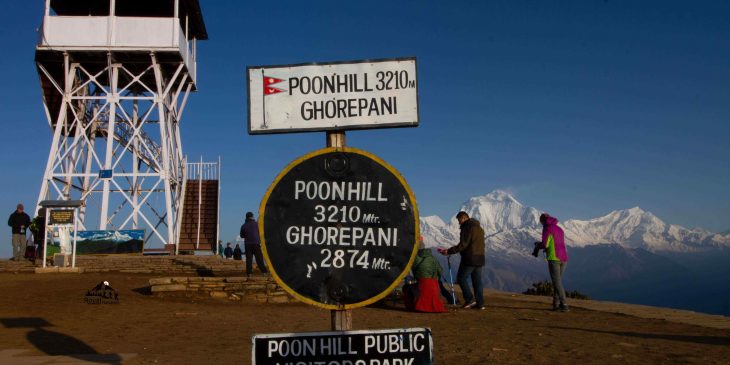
<point x="333" y="96"/>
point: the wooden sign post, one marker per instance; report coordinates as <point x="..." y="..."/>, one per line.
<point x="338" y="225"/>
<point x="341" y="320"/>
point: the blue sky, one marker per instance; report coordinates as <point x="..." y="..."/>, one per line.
<point x="577" y="107"/>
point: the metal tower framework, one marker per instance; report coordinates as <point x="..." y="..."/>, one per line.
<point x="116" y="141"/>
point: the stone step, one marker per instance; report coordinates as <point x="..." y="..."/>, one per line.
<point x="259" y="288"/>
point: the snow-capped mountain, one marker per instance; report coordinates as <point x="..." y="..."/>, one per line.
<point x="510" y="226"/>
<point x="637" y="228"/>
<point x="500" y="211"/>
<point x="111" y="236"/>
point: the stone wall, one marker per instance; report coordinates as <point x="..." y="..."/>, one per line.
<point x="261" y="289"/>
<point x="200" y="265"/>
<point x="16" y="266"/>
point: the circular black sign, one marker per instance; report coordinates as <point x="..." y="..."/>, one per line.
<point x="338" y="228"/>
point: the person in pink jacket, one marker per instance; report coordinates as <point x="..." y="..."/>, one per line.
<point x="553" y="243"/>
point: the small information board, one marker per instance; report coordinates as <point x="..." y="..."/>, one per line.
<point x="105" y="174"/>
<point x="60" y="217"/>
<point x="408" y="346"/>
<point x="338" y="228"/>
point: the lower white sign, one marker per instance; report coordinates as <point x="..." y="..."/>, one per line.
<point x="405" y="346"/>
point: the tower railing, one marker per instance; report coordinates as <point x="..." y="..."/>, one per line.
<point x="118" y="32"/>
<point x="202" y="170"/>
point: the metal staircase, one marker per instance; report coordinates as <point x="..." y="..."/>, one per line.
<point x="200" y="219"/>
<point x="148" y="151"/>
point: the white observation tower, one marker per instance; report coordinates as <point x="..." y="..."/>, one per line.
<point x="115" y="76"/>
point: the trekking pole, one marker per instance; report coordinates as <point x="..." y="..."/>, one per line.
<point x="451" y="280"/>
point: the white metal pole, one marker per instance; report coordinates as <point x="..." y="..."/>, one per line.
<point x="76" y="227"/>
<point x="218" y="213"/>
<point x="200" y="198"/>
<point x="164" y="145"/>
<point x="135" y="167"/>
<point x="112" y="23"/>
<point x="182" y="202"/>
<point x="55" y="143"/>
<point x="73" y="158"/>
<point x="45" y="238"/>
<point x="111" y="99"/>
<point x="87" y="169"/>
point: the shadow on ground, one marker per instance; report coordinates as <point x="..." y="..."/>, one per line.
<point x="145" y="290"/>
<point x="58" y="344"/>
<point x="705" y="340"/>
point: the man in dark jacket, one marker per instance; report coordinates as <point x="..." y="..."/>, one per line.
<point x="471" y="248"/>
<point x="252" y="243"/>
<point x="19" y="222"/>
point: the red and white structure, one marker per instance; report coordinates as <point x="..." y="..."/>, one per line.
<point x="115" y="76"/>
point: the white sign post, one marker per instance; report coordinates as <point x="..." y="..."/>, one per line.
<point x="333" y="96"/>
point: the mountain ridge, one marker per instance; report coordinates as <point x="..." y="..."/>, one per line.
<point x="512" y="225"/>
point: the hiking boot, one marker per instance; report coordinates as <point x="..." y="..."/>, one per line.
<point x="469" y="305"/>
<point x="563" y="308"/>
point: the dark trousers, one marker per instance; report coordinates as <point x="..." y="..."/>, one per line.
<point x="463" y="276"/>
<point x="254" y="250"/>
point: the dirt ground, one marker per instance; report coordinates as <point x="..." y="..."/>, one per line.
<point x="44" y="320"/>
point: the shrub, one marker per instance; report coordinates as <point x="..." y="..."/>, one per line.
<point x="545" y="288"/>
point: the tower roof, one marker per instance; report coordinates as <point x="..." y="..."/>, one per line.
<point x="138" y="8"/>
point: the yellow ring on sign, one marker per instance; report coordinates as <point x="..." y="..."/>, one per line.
<point x="262" y="215"/>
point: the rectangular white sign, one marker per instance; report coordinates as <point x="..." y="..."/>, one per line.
<point x="412" y="346"/>
<point x="333" y="96"/>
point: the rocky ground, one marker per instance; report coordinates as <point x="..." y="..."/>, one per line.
<point x="44" y="320"/>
